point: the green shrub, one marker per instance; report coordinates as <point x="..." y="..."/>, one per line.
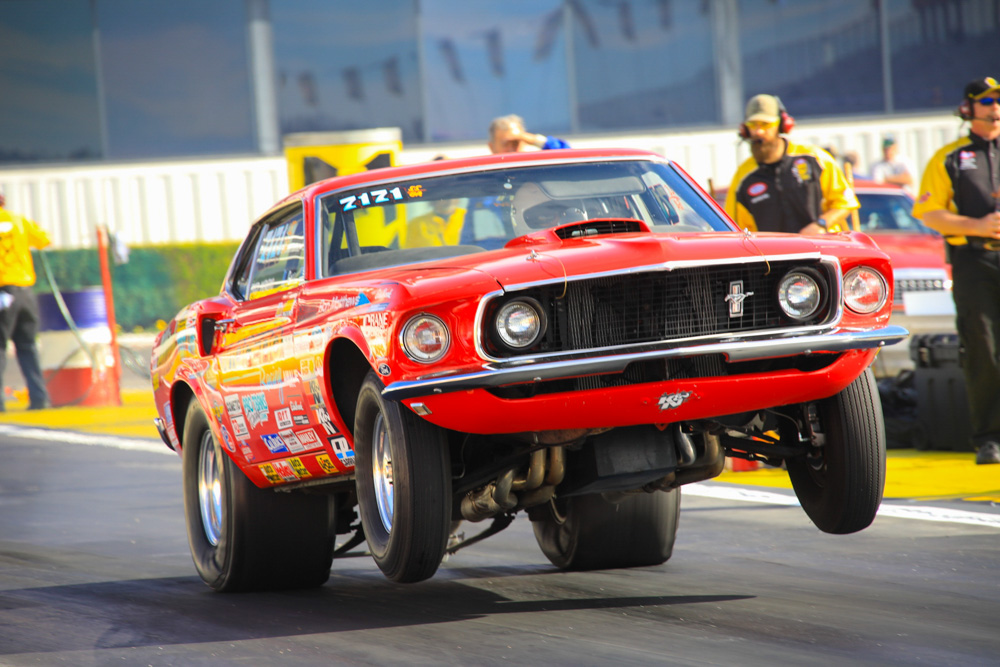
<point x="153" y="285"/>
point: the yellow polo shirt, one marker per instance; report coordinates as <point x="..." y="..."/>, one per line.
<point x="17" y="236"/>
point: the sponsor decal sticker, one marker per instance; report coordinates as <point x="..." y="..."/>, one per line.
<point x="309" y="439"/>
<point x="227" y="439"/>
<point x="343" y="451"/>
<point x="284" y="469"/>
<point x="288" y="436"/>
<point x="299" y="467"/>
<point x="326" y="464"/>
<point x="247" y="452"/>
<point x="269" y="472"/>
<point x="255" y="407"/>
<point x="674" y="400"/>
<point x="283" y="418"/>
<point x="274" y="443"/>
<point x="233" y="406"/>
<point x="240" y="427"/>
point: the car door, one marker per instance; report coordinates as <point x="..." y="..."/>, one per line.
<point x="259" y="376"/>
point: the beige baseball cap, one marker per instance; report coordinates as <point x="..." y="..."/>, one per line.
<point x="764" y="108"/>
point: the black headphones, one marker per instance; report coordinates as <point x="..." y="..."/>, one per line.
<point x="785" y="121"/>
<point x="964" y="110"/>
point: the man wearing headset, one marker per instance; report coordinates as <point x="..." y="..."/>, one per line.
<point x="783" y="186"/>
<point x="960" y="197"/>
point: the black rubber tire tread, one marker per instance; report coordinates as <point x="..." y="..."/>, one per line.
<point x="590" y="533"/>
<point x="844" y="496"/>
<point x="269" y="540"/>
<point x="421" y="470"/>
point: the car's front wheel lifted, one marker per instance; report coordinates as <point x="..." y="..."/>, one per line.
<point x="840" y="483"/>
<point x="244" y="538"/>
<point x="588" y="532"/>
<point x="404" y="485"/>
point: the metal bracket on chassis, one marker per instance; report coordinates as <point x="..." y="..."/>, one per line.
<point x="356" y="539"/>
<point x="500" y="522"/>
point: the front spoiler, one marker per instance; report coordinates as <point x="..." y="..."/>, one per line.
<point x="497" y="375"/>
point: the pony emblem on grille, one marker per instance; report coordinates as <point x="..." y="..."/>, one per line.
<point x="735" y="298"/>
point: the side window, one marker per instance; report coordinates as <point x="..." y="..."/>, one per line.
<point x="279" y="261"/>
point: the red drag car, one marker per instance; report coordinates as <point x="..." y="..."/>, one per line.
<point x="574" y="333"/>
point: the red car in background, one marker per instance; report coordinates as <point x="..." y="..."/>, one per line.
<point x="922" y="302"/>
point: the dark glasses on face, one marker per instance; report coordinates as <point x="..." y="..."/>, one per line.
<point x="988" y="101"/>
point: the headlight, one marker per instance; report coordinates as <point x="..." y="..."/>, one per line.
<point x="800" y="294"/>
<point x="864" y="290"/>
<point x="519" y="324"/>
<point x="425" y="339"/>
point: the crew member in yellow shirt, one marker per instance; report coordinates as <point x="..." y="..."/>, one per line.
<point x="19" y="316"/>
<point x="442" y="226"/>
<point x="784" y="186"/>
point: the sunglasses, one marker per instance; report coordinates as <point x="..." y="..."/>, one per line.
<point x="761" y="124"/>
<point x="988" y="101"/>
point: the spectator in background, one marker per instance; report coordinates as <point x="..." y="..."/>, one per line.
<point x="893" y="168"/>
<point x="507" y="135"/>
<point x="783" y="186"/>
<point x="19" y="315"/>
<point x="960" y="197"/>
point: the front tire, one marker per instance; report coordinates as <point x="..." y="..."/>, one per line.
<point x="841" y="488"/>
<point x="244" y="538"/>
<point x="404" y="485"/>
<point x="590" y="533"/>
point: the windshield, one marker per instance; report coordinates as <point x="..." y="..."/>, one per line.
<point x="472" y="212"/>
<point x="888" y="211"/>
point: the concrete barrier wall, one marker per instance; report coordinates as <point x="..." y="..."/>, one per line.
<point x="217" y="199"/>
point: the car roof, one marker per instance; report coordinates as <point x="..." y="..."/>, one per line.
<point x="470" y="164"/>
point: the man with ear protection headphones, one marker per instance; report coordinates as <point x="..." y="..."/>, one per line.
<point x="784" y="186"/>
<point x="960" y="197"/>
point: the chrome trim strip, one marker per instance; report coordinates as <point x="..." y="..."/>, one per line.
<point x="495" y="375"/>
<point x="161" y="428"/>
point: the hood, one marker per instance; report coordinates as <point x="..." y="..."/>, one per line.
<point x="537" y="258"/>
<point x="913" y="251"/>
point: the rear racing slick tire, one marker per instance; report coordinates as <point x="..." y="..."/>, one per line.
<point x="589" y="533"/>
<point x="244" y="538"/>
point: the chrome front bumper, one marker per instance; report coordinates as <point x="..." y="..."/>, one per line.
<point x="496" y="375"/>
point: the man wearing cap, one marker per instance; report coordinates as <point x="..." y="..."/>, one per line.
<point x="892" y="168"/>
<point x="19" y="315"/>
<point x="783" y="186"/>
<point x="960" y="197"/>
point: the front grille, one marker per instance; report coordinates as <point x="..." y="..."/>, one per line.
<point x="631" y="309"/>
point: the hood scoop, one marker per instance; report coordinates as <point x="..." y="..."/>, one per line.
<point x="588" y="228"/>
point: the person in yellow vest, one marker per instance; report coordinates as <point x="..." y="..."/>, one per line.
<point x="19" y="315"/>
<point x="441" y="226"/>
<point x="785" y="186"/>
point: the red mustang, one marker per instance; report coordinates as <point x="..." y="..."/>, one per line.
<point x="572" y="333"/>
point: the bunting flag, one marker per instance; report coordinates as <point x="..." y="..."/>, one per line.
<point x="307" y="87"/>
<point x="393" y="81"/>
<point x="352" y="81"/>
<point x="495" y="49"/>
<point x="451" y="57"/>
<point x="625" y="18"/>
<point x="666" y="15"/>
<point x="587" y="23"/>
<point x="547" y="35"/>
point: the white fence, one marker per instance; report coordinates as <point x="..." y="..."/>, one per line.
<point x="216" y="199"/>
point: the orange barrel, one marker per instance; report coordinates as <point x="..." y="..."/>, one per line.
<point x="70" y="375"/>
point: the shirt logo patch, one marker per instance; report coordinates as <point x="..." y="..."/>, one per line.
<point x="757" y="189"/>
<point x="801" y="170"/>
<point x="966" y="160"/>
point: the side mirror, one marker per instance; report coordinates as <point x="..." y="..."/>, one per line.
<point x="213" y="318"/>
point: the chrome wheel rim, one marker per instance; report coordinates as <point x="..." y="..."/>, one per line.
<point x="382" y="472"/>
<point x="210" y="490"/>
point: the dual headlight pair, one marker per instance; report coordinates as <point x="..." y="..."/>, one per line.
<point x="520" y="323"/>
<point x="517" y="324"/>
